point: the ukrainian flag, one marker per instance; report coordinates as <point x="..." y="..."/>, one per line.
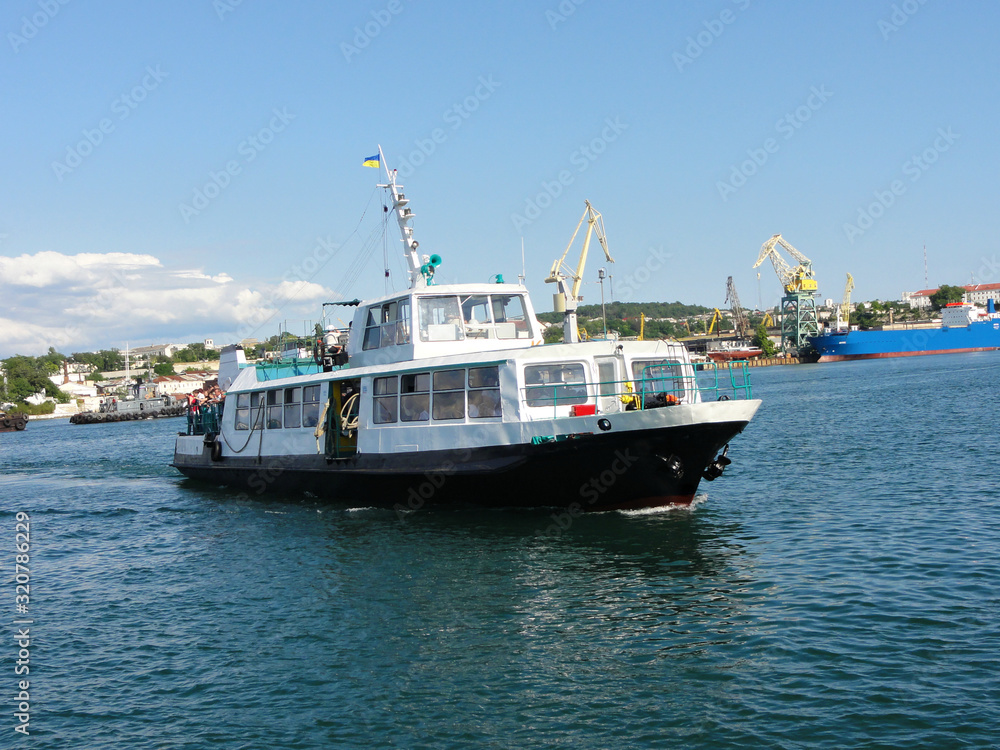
<point x="372" y="161"/>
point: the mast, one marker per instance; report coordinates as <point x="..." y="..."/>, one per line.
<point x="421" y="271"/>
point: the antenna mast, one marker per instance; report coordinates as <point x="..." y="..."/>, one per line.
<point x="421" y="273"/>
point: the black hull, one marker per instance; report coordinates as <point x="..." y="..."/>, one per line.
<point x="624" y="470"/>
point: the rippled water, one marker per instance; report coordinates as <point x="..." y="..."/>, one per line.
<point x="839" y="587"/>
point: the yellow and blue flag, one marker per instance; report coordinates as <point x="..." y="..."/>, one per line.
<point x="372" y="161"/>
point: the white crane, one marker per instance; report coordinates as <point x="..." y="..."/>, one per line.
<point x="844" y="311"/>
<point x="568" y="298"/>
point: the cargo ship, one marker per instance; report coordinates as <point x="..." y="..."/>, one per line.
<point x="964" y="328"/>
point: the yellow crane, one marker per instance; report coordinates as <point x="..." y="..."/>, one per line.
<point x="799" y="318"/>
<point x="716" y="318"/>
<point x="797" y="279"/>
<point x="568" y="280"/>
<point x="768" y="320"/>
<point x="844" y="311"/>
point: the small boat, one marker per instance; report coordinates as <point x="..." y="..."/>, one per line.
<point x="13" y="422"/>
<point x="729" y="351"/>
<point x="964" y="328"/>
<point x="446" y="395"/>
<point x="130" y="409"/>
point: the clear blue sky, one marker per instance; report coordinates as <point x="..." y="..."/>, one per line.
<point x="655" y="112"/>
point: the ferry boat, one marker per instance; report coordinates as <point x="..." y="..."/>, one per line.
<point x="446" y="394"/>
<point x="964" y="328"/>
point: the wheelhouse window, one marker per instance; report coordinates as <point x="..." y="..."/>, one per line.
<point x="476" y="314"/>
<point x="508" y="313"/>
<point x="387" y="324"/>
<point x="484" y="392"/>
<point x="555" y="384"/>
<point x="440" y="319"/>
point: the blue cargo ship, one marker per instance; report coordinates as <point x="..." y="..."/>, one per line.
<point x="964" y="328"/>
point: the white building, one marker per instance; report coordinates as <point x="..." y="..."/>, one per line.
<point x="157" y="350"/>
<point x="977" y="294"/>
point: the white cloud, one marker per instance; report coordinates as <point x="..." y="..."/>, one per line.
<point x="90" y="301"/>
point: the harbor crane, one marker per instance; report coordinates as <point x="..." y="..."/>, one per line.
<point x="799" y="319"/>
<point x="740" y="320"/>
<point x="797" y="279"/>
<point x="716" y="318"/>
<point x="568" y="280"/>
<point x="844" y="311"/>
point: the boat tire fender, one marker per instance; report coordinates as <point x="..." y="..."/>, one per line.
<point x="723" y="397"/>
<point x="216" y="450"/>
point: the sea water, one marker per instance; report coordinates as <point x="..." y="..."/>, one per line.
<point x="838" y="587"/>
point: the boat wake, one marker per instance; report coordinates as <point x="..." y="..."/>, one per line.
<point x="698" y="500"/>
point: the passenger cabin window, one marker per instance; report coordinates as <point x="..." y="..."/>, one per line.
<point x="449" y="394"/>
<point x="556" y="384"/>
<point x="387" y="324"/>
<point x="484" y="392"/>
<point x="414" y="400"/>
<point x="273" y="410"/>
<point x="310" y="406"/>
<point x="384" y="392"/>
<point x="293" y="407"/>
<point x="284" y="407"/>
<point x="444" y="395"/>
<point x="243" y="415"/>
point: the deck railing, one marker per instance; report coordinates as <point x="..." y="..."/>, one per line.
<point x="205" y="419"/>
